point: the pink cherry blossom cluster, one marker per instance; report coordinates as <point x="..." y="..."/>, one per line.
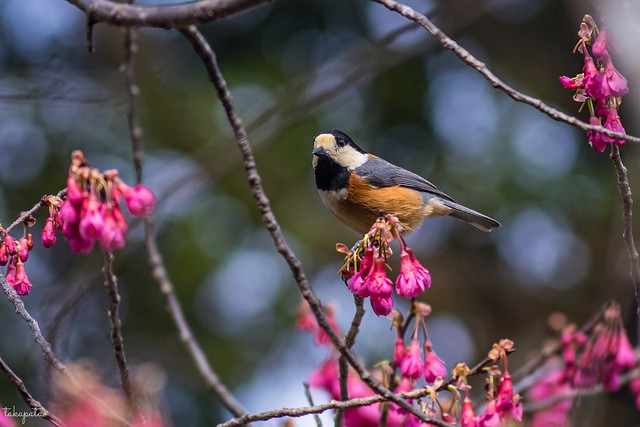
<point x="91" y="211"/>
<point x="14" y="254"/>
<point x="600" y="85"/>
<point x="599" y="357"/>
<point x="502" y="404"/>
<point x="365" y="267"/>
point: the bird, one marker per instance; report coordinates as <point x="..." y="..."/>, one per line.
<point x="359" y="187"/>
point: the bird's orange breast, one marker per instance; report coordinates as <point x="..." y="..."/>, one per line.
<point x="361" y="204"/>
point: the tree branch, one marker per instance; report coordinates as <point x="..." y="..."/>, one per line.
<point x="627" y="211"/>
<point x="168" y="16"/>
<point x="47" y="353"/>
<point x="497" y="83"/>
<point x="111" y="283"/>
<point x="208" y="57"/>
<point x="34" y="404"/>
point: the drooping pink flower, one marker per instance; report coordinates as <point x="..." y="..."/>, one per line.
<point x="140" y="200"/>
<point x="468" y="417"/>
<point x="614" y="83"/>
<point x="433" y="365"/>
<point x="112" y="236"/>
<point x="490" y="417"/>
<point x="22" y="284"/>
<point x="625" y="355"/>
<point x="92" y="220"/>
<point x="592" y="78"/>
<point x="381" y="305"/>
<point x="572" y="83"/>
<point x="48" y="233"/>
<point x="596" y="139"/>
<point x="413" y="278"/>
<point x="613" y="123"/>
<point x="23" y="248"/>
<point x="508" y="405"/>
<point x="74" y="193"/>
<point x="326" y="378"/>
<point x="412" y="365"/>
<point x="4" y="256"/>
<point x="399" y="351"/>
<point x="69" y="215"/>
<point x="599" y="48"/>
<point x="12" y="248"/>
<point x="11" y="271"/>
<point x="552" y="384"/>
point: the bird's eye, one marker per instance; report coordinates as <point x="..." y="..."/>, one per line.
<point x="341" y="142"/>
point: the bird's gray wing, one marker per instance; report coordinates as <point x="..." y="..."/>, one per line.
<point x="380" y="173"/>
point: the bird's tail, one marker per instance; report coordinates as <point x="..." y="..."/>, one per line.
<point x="470" y="216"/>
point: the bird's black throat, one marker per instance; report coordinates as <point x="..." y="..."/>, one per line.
<point x="330" y="176"/>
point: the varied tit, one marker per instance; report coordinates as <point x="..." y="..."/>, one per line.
<point x="358" y="186"/>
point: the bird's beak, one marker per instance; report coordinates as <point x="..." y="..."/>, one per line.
<point x="320" y="152"/>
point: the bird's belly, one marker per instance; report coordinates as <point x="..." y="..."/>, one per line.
<point x="359" y="213"/>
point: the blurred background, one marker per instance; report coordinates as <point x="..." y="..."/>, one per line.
<point x="297" y="68"/>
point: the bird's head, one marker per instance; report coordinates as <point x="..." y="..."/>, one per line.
<point x="338" y="148"/>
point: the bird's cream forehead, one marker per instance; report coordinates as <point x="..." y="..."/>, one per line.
<point x="346" y="156"/>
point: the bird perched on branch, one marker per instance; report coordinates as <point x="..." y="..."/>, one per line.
<point x="358" y="187"/>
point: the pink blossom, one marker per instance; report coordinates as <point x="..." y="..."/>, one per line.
<point x="413" y="278"/>
<point x="356" y="285"/>
<point x="508" y="405"/>
<point x="92" y="220"/>
<point x="22" y="284"/>
<point x="550" y="385"/>
<point x="625" y="356"/>
<point x="48" y="233"/>
<point x="613" y="123"/>
<point x="23" y="249"/>
<point x="592" y="79"/>
<point x="12" y="248"/>
<point x="596" y="139"/>
<point x="112" y="236"/>
<point x="11" y="271"/>
<point x="433" y="365"/>
<point x="381" y="305"/>
<point x="4" y="256"/>
<point x="377" y="281"/>
<point x="69" y="214"/>
<point x="574" y="83"/>
<point x="326" y="378"/>
<point x="140" y="200"/>
<point x="399" y="351"/>
<point x="74" y="193"/>
<point x="614" y="83"/>
<point x="468" y="417"/>
<point x="599" y="48"/>
<point x="411" y="365"/>
<point x="490" y="417"/>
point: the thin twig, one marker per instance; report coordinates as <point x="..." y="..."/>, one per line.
<point x="37" y="407"/>
<point x="47" y="353"/>
<point x="627" y="211"/>
<point x="135" y="130"/>
<point x="496" y="82"/>
<point x="343" y="365"/>
<point x="208" y="57"/>
<point x="111" y="283"/>
<point x="307" y="393"/>
<point x="24" y="215"/>
<point x="161" y="276"/>
<point x="166" y="16"/>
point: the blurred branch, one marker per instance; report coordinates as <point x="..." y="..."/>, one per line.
<point x="575" y="393"/>
<point x="111" y="283"/>
<point x="627" y="211"/>
<point x="48" y="354"/>
<point x="34" y="404"/>
<point x="343" y="365"/>
<point x="208" y="57"/>
<point x="307" y="393"/>
<point x="497" y="83"/>
<point x="135" y="130"/>
<point x="168" y="16"/>
<point x="160" y="274"/>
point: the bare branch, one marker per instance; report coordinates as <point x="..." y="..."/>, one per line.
<point x="135" y="130"/>
<point x="497" y="83"/>
<point x="208" y="57"/>
<point x="111" y="283"/>
<point x="24" y="215"/>
<point x="627" y="211"/>
<point x="168" y="16"/>
<point x="34" y="404"/>
<point x="48" y="354"/>
<point x="160" y="274"/>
